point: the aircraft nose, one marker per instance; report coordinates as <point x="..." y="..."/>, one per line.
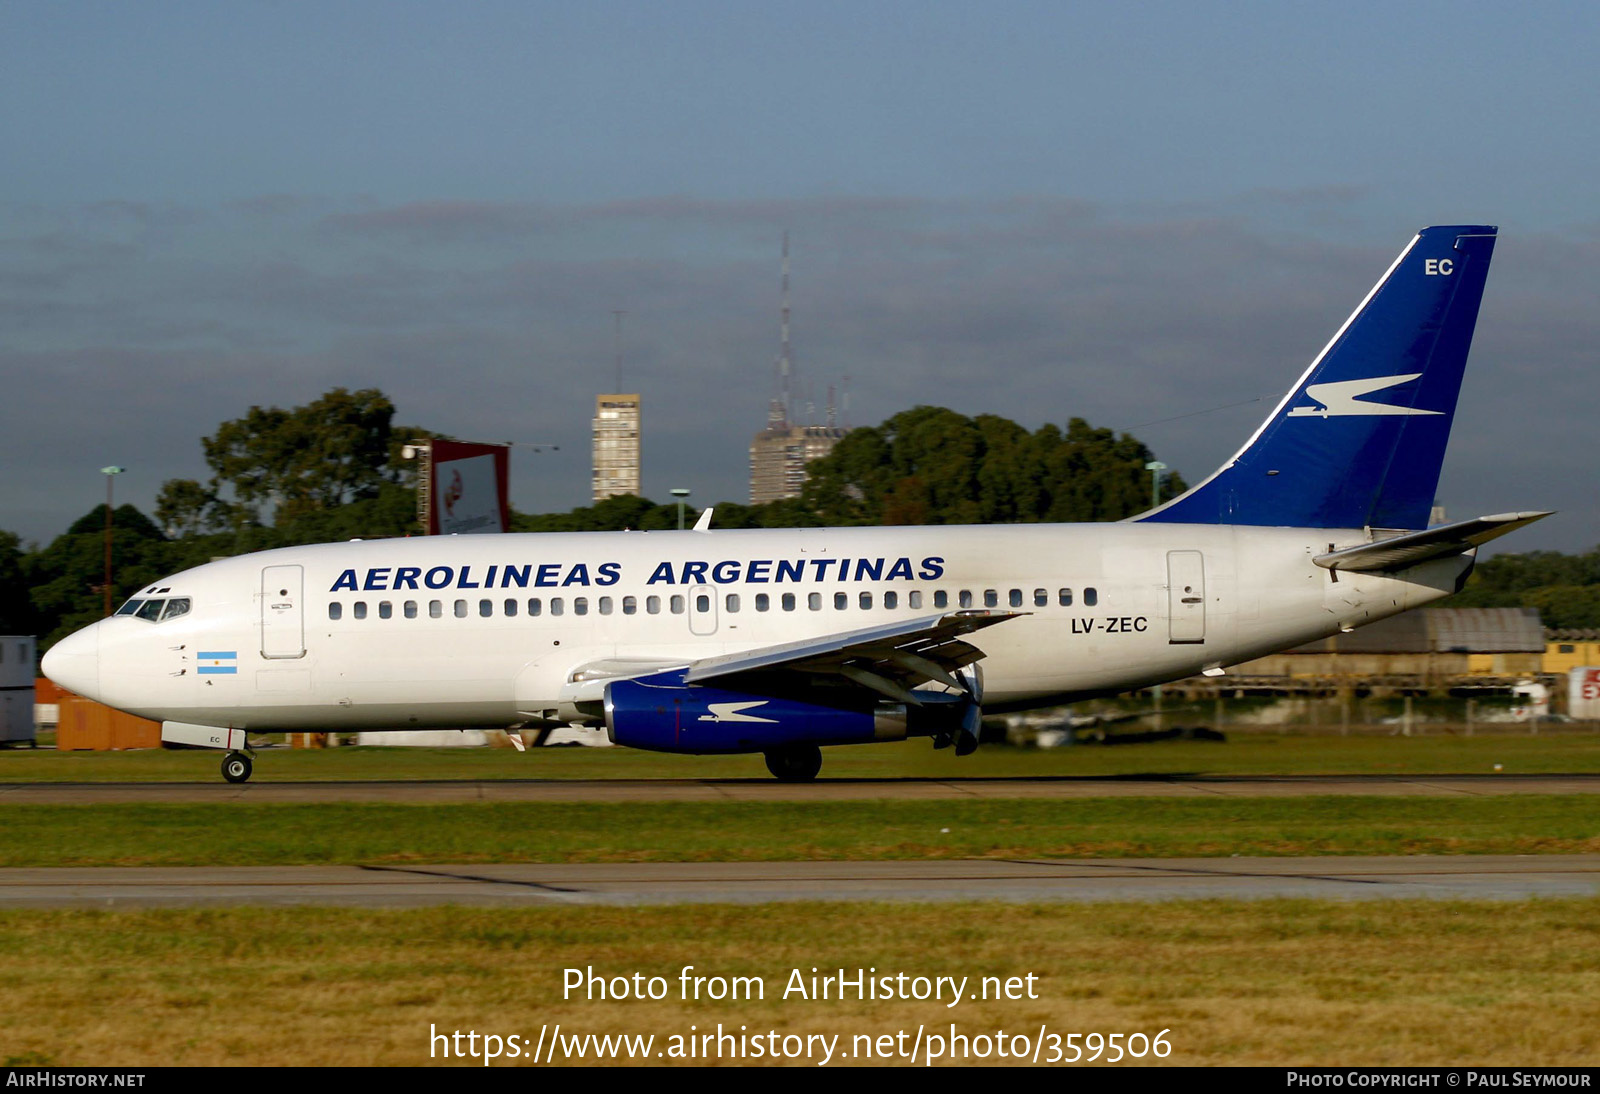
<point x="74" y="662"/>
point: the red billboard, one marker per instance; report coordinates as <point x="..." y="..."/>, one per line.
<point x="467" y="488"/>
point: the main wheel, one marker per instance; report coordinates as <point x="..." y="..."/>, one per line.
<point x="236" y="767"/>
<point x="795" y="763"/>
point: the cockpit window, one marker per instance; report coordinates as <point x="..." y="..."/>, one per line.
<point x="157" y="609"/>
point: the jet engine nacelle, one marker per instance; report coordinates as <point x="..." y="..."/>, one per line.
<point x="664" y="714"/>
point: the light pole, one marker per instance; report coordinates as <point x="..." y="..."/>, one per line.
<point x="680" y="493"/>
<point x="110" y="473"/>
<point x="1155" y="467"/>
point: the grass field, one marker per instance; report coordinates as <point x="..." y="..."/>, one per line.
<point x="1409" y="983"/>
<point x="244" y="834"/>
<point x="1280" y="982"/>
<point x="1242" y="754"/>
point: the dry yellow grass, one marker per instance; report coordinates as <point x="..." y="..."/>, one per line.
<point x="1394" y="983"/>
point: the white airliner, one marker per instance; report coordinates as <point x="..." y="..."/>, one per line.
<point x="779" y="642"/>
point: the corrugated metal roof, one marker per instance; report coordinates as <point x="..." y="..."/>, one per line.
<point x="1442" y="630"/>
<point x="1486" y="630"/>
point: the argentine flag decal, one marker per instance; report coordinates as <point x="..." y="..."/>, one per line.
<point x="213" y="663"/>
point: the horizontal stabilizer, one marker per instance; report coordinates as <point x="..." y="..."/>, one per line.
<point x="1411" y="548"/>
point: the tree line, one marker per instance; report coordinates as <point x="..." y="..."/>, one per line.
<point x="332" y="470"/>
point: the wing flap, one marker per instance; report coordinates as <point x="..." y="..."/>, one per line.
<point x="1399" y="552"/>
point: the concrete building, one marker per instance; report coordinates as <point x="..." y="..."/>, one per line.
<point x="779" y="454"/>
<point x="616" y="446"/>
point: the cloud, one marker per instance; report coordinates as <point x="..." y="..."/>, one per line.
<point x="494" y="320"/>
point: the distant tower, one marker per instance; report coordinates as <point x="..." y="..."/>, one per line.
<point x="616" y="437"/>
<point x="780" y="452"/>
<point x="616" y="445"/>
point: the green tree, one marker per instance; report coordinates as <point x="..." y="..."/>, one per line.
<point x="333" y="451"/>
<point x="930" y="465"/>
<point x="16" y="610"/>
<point x="67" y="578"/>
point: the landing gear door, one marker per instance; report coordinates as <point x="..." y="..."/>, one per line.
<point x="1186" y="597"/>
<point x="283" y="622"/>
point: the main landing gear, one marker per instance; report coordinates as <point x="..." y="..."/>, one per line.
<point x="795" y="763"/>
<point x="236" y="767"/>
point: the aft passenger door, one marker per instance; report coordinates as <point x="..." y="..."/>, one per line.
<point x="283" y="627"/>
<point x="1186" y="597"/>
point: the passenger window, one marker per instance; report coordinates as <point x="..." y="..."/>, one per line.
<point x="411" y="609"/>
<point x="1016" y="598"/>
<point x="556" y="605"/>
<point x="732" y="602"/>
<point x="841" y="601"/>
<point x="485" y="609"/>
<point x="580" y="605"/>
<point x="605" y="605"/>
<point x="652" y="604"/>
<point x="914" y="598"/>
<point x="360" y="611"/>
<point x="178" y="605"/>
<point x="965" y="598"/>
<point x="511" y="608"/>
<point x="461" y="609"/>
<point x="151" y="610"/>
<point x="941" y="599"/>
<point x="335" y="610"/>
<point x="435" y="609"/>
<point x="702" y="603"/>
<point x="1064" y="597"/>
<point x="1041" y="598"/>
<point x="1090" y="598"/>
<point x="385" y="610"/>
<point x="676" y="604"/>
<point x="814" y="601"/>
<point x="865" y="601"/>
<point x="891" y="600"/>
<point x="535" y="606"/>
<point x="763" y="602"/>
<point x="788" y="602"/>
<point x="991" y="599"/>
<point x="630" y="605"/>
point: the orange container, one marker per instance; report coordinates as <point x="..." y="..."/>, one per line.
<point x="86" y="724"/>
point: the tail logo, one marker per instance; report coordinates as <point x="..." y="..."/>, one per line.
<point x="1342" y="399"/>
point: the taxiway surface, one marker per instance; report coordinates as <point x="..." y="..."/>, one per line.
<point x="1472" y="877"/>
<point x="758" y="790"/>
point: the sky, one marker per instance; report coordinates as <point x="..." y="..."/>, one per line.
<point x="1148" y="215"/>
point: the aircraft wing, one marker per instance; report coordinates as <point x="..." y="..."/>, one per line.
<point x="1411" y="548"/>
<point x="890" y="659"/>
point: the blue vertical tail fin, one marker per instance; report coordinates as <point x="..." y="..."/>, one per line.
<point x="1360" y="439"/>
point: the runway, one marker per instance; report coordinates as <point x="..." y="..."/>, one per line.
<point x="770" y="790"/>
<point x="1479" y="877"/>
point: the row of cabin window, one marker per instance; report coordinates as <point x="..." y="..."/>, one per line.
<point x="676" y="603"/>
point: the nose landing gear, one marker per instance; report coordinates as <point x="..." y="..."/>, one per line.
<point x="236" y="767"/>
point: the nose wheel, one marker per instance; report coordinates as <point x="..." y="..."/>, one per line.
<point x="236" y="767"/>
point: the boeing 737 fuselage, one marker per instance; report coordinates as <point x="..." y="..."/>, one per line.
<point x="783" y="641"/>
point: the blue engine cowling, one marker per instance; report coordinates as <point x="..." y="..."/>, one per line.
<point x="663" y="714"/>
